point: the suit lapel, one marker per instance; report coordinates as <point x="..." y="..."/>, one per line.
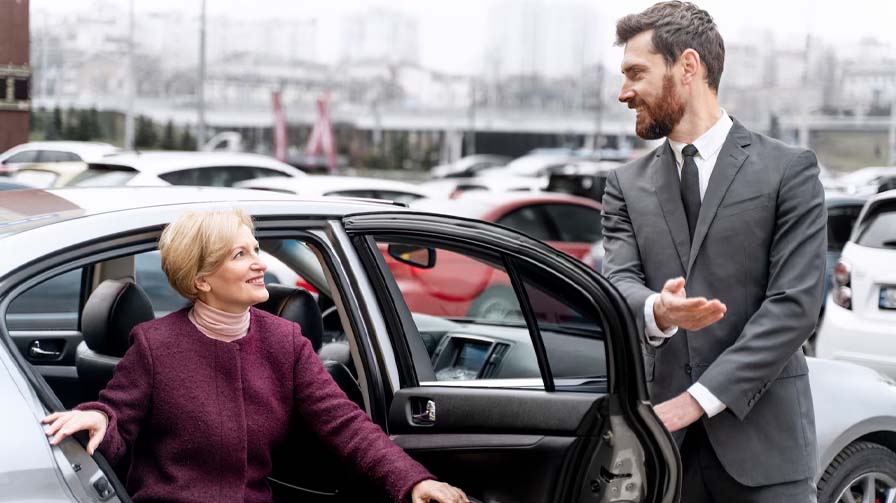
<point x="666" y="185"/>
<point x="729" y="162"/>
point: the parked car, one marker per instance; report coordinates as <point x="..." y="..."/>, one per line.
<point x="471" y="399"/>
<point x="468" y="166"/>
<point x="214" y="169"/>
<point x="860" y="315"/>
<point x="867" y="181"/>
<point x="581" y="178"/>
<point x="453" y="187"/>
<point x="53" y="151"/>
<point x="342" y="186"/>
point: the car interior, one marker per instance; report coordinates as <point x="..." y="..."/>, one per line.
<point x="75" y="342"/>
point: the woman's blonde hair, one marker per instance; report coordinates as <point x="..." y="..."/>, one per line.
<point x="197" y="243"/>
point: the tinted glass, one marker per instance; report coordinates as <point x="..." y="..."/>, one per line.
<point x="55" y="299"/>
<point x="182" y="177"/>
<point x="529" y="221"/>
<point x="27" y="156"/>
<point x="841" y="220"/>
<point x="879" y="228"/>
<point x="577" y="224"/>
<point x="152" y="279"/>
<point x="468" y="317"/>
<point x="398" y="197"/>
<point x="57" y="156"/>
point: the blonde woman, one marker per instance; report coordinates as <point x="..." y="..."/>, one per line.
<point x="203" y="395"/>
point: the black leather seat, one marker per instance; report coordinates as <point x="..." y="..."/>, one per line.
<point x="298" y="305"/>
<point x="112" y="310"/>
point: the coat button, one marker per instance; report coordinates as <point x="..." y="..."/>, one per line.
<point x="688" y="368"/>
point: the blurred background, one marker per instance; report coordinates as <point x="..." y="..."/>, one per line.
<point x="400" y="87"/>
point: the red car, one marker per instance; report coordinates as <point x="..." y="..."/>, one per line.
<point x="459" y="287"/>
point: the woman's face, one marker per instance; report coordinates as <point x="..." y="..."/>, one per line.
<point x="239" y="282"/>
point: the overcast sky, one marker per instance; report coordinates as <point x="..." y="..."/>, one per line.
<point x="453" y="33"/>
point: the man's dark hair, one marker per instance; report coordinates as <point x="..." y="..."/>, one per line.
<point x="678" y="26"/>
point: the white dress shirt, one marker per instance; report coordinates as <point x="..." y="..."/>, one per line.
<point x="708" y="147"/>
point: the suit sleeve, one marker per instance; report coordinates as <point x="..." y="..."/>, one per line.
<point x="126" y="399"/>
<point x="346" y="429"/>
<point x="787" y="316"/>
<point x="622" y="259"/>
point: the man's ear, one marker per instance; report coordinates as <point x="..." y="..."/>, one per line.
<point x="201" y="284"/>
<point x="690" y="66"/>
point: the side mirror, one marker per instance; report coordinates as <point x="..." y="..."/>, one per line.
<point x="424" y="258"/>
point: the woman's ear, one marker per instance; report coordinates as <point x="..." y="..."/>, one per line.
<point x="202" y="285"/>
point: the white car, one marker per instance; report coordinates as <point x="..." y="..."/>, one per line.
<point x="468" y="166"/>
<point x="54" y="151"/>
<point x="866" y="181"/>
<point x="860" y="315"/>
<point x="213" y="169"/>
<point x="342" y="186"/>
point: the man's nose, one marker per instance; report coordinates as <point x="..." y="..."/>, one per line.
<point x="626" y="94"/>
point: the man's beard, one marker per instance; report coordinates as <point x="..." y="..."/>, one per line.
<point x="659" y="119"/>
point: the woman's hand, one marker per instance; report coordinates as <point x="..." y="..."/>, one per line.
<point x="428" y="490"/>
<point x="64" y="424"/>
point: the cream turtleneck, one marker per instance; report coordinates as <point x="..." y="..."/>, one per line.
<point x="218" y="324"/>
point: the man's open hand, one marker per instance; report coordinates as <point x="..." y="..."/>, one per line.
<point x="679" y="412"/>
<point x="674" y="309"/>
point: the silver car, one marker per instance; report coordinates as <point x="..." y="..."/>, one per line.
<point x="549" y="404"/>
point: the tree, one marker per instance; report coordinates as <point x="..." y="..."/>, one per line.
<point x="145" y="134"/>
<point x="54" y="125"/>
<point x="168" y="141"/>
<point x="187" y="142"/>
<point x="92" y="128"/>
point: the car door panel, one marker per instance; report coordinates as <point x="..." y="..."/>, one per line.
<point x="546" y="445"/>
<point x="498" y="444"/>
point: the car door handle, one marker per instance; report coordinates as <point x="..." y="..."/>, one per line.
<point x="37" y="352"/>
<point x="428" y="416"/>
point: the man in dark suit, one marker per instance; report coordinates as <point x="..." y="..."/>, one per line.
<point x="717" y="241"/>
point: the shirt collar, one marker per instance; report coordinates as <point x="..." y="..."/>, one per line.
<point x="710" y="142"/>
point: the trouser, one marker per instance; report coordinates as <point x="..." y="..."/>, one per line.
<point x="706" y="481"/>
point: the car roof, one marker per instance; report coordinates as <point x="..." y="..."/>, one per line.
<point x="319" y="184"/>
<point x="832" y="198"/>
<point x="90" y="149"/>
<point x="164" y="161"/>
<point x="477" y="204"/>
<point x="25" y="209"/>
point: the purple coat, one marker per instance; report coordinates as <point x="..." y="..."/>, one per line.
<point x="198" y="418"/>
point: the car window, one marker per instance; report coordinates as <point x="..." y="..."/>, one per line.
<point x="530" y="221"/>
<point x="183" y="177"/>
<point x="576" y="224"/>
<point x="55" y="300"/>
<point x="397" y="196"/>
<point x="841" y="220"/>
<point x="26" y="156"/>
<point x="367" y="194"/>
<point x="152" y="279"/>
<point x="878" y="229"/>
<point x="57" y="156"/>
<point x="103" y="175"/>
<point x="470" y="319"/>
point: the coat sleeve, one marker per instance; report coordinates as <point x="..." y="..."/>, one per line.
<point x="126" y="400"/>
<point x="622" y="258"/>
<point x="787" y="316"/>
<point x="346" y="429"/>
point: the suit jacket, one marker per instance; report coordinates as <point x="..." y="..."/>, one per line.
<point x="759" y="247"/>
<point x="198" y="418"/>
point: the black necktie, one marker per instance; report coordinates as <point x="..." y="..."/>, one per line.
<point x="690" y="187"/>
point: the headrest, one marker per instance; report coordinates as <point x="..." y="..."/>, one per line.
<point x="297" y="305"/>
<point x="112" y="310"/>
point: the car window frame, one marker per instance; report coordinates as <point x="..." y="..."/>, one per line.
<point x="404" y="334"/>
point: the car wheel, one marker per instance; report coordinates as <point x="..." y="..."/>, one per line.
<point x="863" y="471"/>
<point x="496" y="303"/>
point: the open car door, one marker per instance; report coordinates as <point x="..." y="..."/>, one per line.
<point x="538" y="397"/>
